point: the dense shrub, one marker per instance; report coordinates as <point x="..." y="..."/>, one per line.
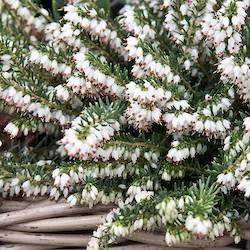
<point x="148" y="110"/>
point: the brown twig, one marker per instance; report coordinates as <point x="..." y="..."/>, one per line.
<point x="159" y="240"/>
<point x="55" y="210"/>
<point x="25" y="247"/>
<point x="71" y="240"/>
<point x="62" y="224"/>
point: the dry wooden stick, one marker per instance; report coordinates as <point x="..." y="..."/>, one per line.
<point x="11" y="205"/>
<point x="74" y="223"/>
<point x="244" y="224"/>
<point x="44" y="239"/>
<point x="63" y="209"/>
<point x="154" y="247"/>
<point x="145" y="247"/>
<point x="148" y="238"/>
<point x="220" y="248"/>
<point x="46" y="201"/>
<point x="159" y="240"/>
<point x="33" y="198"/>
<point x="245" y="234"/>
<point x="25" y="247"/>
<point x="14" y="205"/>
<point x="218" y="242"/>
<point x="40" y="203"/>
<point x="248" y="245"/>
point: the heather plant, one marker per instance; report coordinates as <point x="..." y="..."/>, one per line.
<point x="147" y="109"/>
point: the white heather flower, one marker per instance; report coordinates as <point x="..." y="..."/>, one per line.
<point x="168" y="210"/>
<point x="55" y="172"/>
<point x="72" y="200"/>
<point x="187" y="64"/>
<point x="62" y="93"/>
<point x="246" y="123"/>
<point x="197" y="225"/>
<point x="44" y="190"/>
<point x="26" y="186"/>
<point x="93" y="244"/>
<point x="64" y="180"/>
<point x="37" y="178"/>
<point x="140" y="117"/>
<point x="11" y="129"/>
<point x="143" y="195"/>
<point x="244" y="186"/>
<point x="228" y="180"/>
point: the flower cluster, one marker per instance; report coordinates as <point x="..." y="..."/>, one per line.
<point x="142" y="117"/>
<point x="236" y="74"/>
<point x="237" y="171"/>
<point x="179" y="153"/>
<point x="147" y="94"/>
<point x="147" y="62"/>
<point x="227" y="24"/>
<point x="88" y="132"/>
<point x="132" y="24"/>
<point x="25" y="184"/>
<point x="49" y="65"/>
<point x="95" y="77"/>
<point x="6" y="63"/>
<point x="87" y="18"/>
<point x="24" y="103"/>
<point x="127" y="153"/>
<point x="198" y="226"/>
<point x="211" y="128"/>
<point x="26" y="14"/>
<point x="183" y="25"/>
